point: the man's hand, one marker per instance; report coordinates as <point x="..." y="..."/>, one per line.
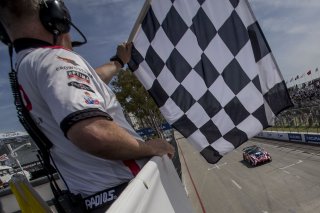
<point x="161" y="147"/>
<point x="124" y="52"/>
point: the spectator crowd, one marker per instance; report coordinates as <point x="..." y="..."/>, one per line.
<point x="306" y="109"/>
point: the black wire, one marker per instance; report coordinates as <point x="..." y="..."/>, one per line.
<point x="78" y="43"/>
<point x="43" y="143"/>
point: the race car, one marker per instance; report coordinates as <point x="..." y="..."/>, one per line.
<point x="255" y="155"/>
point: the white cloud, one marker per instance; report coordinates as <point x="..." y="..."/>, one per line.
<point x="9" y="121"/>
<point x="106" y="23"/>
<point x="293" y="31"/>
<point x="3" y="81"/>
<point x="5" y="107"/>
<point x="286" y="3"/>
<point x="3" y="47"/>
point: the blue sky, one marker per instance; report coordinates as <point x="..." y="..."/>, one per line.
<point x="292" y="28"/>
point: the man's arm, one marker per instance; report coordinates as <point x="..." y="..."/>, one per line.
<point x="105" y="139"/>
<point x="108" y="70"/>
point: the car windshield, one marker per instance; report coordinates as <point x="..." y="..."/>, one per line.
<point x="249" y="148"/>
<point x="259" y="153"/>
<point x="255" y="150"/>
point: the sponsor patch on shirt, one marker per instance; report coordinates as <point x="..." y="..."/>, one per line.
<point x="74" y="68"/>
<point x="68" y="60"/>
<point x="78" y="75"/>
<point x="90" y="100"/>
<point x="80" y="86"/>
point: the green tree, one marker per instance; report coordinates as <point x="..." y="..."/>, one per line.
<point x="136" y="100"/>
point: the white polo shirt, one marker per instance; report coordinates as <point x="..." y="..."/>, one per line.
<point x="59" y="89"/>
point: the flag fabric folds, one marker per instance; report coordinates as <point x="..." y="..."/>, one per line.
<point x="210" y="70"/>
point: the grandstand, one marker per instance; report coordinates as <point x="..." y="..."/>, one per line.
<point x="305" y="114"/>
<point x="306" y="94"/>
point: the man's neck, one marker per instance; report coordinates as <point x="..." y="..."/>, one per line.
<point x="26" y="43"/>
<point x="33" y="31"/>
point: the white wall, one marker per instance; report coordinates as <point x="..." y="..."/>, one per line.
<point x="157" y="189"/>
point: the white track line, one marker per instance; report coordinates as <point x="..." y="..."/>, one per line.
<point x="187" y="192"/>
<point x="287" y="166"/>
<point x="300" y="161"/>
<point x="237" y="185"/>
<point x="217" y="166"/>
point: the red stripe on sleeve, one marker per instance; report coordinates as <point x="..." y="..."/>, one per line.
<point x="133" y="166"/>
<point x="25" y="98"/>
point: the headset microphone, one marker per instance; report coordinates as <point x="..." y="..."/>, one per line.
<point x="78" y="43"/>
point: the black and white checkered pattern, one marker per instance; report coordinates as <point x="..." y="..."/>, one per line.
<point x="210" y="70"/>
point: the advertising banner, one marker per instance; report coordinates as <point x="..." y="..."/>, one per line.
<point x="312" y="138"/>
<point x="295" y="137"/>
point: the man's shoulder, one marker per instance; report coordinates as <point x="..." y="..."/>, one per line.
<point x="55" y="51"/>
<point x="55" y="56"/>
<point x="50" y="53"/>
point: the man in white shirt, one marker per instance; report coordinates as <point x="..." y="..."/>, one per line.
<point x="94" y="147"/>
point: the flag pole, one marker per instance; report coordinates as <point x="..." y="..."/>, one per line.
<point x="141" y="16"/>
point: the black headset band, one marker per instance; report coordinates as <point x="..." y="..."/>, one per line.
<point x="55" y="18"/>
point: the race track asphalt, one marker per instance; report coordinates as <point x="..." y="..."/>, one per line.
<point x="289" y="184"/>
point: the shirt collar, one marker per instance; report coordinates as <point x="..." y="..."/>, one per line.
<point x="26" y="43"/>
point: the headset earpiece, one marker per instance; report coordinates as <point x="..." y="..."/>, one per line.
<point x="55" y="16"/>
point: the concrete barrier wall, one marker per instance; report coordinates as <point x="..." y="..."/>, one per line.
<point x="299" y="137"/>
<point x="157" y="189"/>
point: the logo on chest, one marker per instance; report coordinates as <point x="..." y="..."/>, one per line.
<point x="68" y="60"/>
<point x="90" y="100"/>
<point x="80" y="86"/>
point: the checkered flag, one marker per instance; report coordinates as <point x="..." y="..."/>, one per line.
<point x="210" y="70"/>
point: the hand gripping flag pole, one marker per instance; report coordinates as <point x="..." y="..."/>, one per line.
<point x="209" y="69"/>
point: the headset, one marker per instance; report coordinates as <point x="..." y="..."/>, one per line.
<point x="55" y="18"/>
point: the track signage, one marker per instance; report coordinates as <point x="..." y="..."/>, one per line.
<point x="312" y="138"/>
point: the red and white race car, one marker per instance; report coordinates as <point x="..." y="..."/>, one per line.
<point x="256" y="155"/>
